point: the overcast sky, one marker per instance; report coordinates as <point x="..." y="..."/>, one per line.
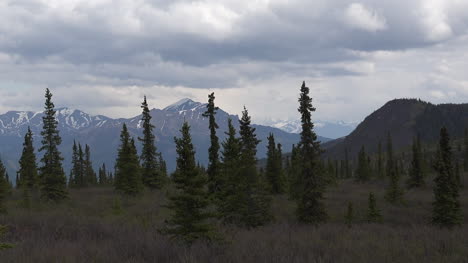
<point x="102" y="56"/>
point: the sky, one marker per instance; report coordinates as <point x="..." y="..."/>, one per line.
<point x="103" y="56"/>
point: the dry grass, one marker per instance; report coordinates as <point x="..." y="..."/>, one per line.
<point x="90" y="228"/>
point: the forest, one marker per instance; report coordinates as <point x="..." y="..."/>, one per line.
<point x="395" y="204"/>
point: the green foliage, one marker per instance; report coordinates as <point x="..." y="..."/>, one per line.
<point x="151" y="173"/>
<point x="127" y="167"/>
<point x="311" y="208"/>
<point x="294" y="174"/>
<point x="189" y="221"/>
<point x="52" y="177"/>
<point x="89" y="174"/>
<point x="4" y="188"/>
<point x="416" y="173"/>
<point x="380" y="162"/>
<point x="213" y="151"/>
<point x="349" y="216"/>
<point x="4" y="245"/>
<point x="363" y="170"/>
<point x="394" y="192"/>
<point x="27" y="177"/>
<point x="373" y="213"/>
<point x="274" y="167"/>
<point x="446" y="211"/>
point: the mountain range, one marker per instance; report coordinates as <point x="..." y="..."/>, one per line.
<point x="328" y="129"/>
<point x="102" y="133"/>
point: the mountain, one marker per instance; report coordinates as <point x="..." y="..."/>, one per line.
<point x="102" y="133"/>
<point x="403" y="119"/>
<point x="324" y="128"/>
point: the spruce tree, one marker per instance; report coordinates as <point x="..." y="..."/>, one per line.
<point x="273" y="167"/>
<point x="465" y="159"/>
<point x="311" y="208"/>
<point x="162" y="167"/>
<point x="255" y="203"/>
<point x="394" y="192"/>
<point x="81" y="179"/>
<point x="52" y="176"/>
<point x="3" y="187"/>
<point x="446" y="209"/>
<point x="347" y="165"/>
<point x="349" y="216"/>
<point x="27" y="173"/>
<point x="213" y="151"/>
<point x="363" y="172"/>
<point x="90" y="175"/>
<point x="295" y="175"/>
<point x="73" y="180"/>
<point x="230" y="195"/>
<point x="151" y="172"/>
<point x="380" y="162"/>
<point x="127" y="167"/>
<point x="416" y="174"/>
<point x="103" y="175"/>
<point x="189" y="221"/>
<point x="373" y="213"/>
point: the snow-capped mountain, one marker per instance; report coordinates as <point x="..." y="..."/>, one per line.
<point x="323" y="128"/>
<point x="102" y="133"/>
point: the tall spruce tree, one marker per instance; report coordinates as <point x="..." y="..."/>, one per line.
<point x="189" y="221"/>
<point x="213" y="151"/>
<point x="3" y="187"/>
<point x="363" y="172"/>
<point x="52" y="176"/>
<point x="273" y="171"/>
<point x="311" y="208"/>
<point x="394" y="192"/>
<point x="151" y="172"/>
<point x="103" y="180"/>
<point x="446" y="209"/>
<point x="416" y="173"/>
<point x="75" y="167"/>
<point x="255" y="203"/>
<point x="294" y="174"/>
<point x="229" y="205"/>
<point x="127" y="166"/>
<point x="90" y="175"/>
<point x="27" y="177"/>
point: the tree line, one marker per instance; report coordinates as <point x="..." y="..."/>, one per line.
<point x="232" y="190"/>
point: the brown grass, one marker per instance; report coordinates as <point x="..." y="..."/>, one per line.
<point x="89" y="228"/>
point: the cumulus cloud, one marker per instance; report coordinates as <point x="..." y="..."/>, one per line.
<point x="361" y="17"/>
<point x="250" y="52"/>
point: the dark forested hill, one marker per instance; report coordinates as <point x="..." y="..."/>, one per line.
<point x="403" y="119"/>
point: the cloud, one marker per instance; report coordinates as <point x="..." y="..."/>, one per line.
<point x="103" y="55"/>
<point x="361" y="17"/>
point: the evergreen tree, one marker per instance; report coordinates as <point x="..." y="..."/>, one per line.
<point x="394" y="193"/>
<point x="416" y="173"/>
<point x="189" y="221"/>
<point x="213" y="151"/>
<point x="279" y="161"/>
<point x="349" y="216"/>
<point x="311" y="208"/>
<point x="363" y="172"/>
<point x="3" y="187"/>
<point x="89" y="174"/>
<point x="27" y="177"/>
<point x="254" y="201"/>
<point x="465" y="142"/>
<point x="52" y="176"/>
<point x="103" y="175"/>
<point x="229" y="208"/>
<point x="162" y="167"/>
<point x="347" y="165"/>
<point x="73" y="180"/>
<point x="373" y="213"/>
<point x="151" y="172"/>
<point x="273" y="167"/>
<point x="446" y="210"/>
<point x="380" y="162"/>
<point x="294" y="176"/>
<point x="127" y="167"/>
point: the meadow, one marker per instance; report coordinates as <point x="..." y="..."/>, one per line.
<point x="98" y="225"/>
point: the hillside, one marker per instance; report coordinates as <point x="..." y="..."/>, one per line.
<point x="403" y="119"/>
